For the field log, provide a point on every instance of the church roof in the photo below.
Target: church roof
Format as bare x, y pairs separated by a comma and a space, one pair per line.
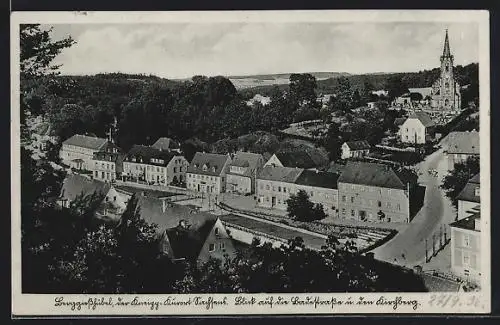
446, 49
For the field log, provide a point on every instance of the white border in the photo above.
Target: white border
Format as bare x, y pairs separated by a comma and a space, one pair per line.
35, 304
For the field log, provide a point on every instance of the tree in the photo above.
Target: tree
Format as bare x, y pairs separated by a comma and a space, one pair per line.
455, 181
333, 141
300, 208
343, 95
303, 88
395, 87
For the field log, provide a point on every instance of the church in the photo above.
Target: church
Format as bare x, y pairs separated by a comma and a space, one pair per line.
443, 96
445, 91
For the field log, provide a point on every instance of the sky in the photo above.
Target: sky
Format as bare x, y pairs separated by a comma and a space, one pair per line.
181, 50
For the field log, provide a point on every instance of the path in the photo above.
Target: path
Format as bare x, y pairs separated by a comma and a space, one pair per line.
436, 211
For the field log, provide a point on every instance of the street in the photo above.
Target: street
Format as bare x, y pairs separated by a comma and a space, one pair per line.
408, 247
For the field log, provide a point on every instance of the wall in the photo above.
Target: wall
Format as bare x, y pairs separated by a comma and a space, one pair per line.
208, 184
413, 131
177, 168
222, 242
242, 184
458, 249
246, 236
70, 152
353, 197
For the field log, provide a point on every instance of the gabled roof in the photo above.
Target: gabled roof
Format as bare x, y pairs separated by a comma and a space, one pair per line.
467, 223
147, 153
463, 143
247, 159
468, 193
165, 143
299, 159
187, 243
317, 179
423, 117
85, 141
372, 174
214, 164
75, 185
281, 174
358, 145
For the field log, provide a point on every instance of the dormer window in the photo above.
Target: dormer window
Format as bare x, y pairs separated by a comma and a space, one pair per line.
477, 192
133, 159
213, 169
205, 167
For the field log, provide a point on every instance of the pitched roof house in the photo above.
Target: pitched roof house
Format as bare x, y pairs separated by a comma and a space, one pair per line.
186, 234
462, 143
208, 164
355, 149
242, 172
166, 144
149, 155
297, 159
417, 128
371, 174
85, 141
280, 174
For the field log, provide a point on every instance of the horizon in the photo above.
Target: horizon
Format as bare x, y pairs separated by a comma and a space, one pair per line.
179, 51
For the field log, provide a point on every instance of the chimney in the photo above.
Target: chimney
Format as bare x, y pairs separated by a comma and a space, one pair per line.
477, 224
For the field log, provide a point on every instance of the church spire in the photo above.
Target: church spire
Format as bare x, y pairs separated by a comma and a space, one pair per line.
446, 49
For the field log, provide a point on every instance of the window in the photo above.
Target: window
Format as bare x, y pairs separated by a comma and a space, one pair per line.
284, 189
399, 207
222, 246
211, 247
274, 188
267, 187
114, 198
477, 192
466, 240
175, 169
352, 199
466, 259
279, 188
379, 204
352, 213
343, 198
216, 231
158, 169
343, 211
389, 205
312, 193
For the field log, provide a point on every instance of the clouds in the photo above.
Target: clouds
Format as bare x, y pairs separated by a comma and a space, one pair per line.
183, 50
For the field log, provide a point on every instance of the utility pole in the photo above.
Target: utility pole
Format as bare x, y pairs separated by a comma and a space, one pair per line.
426, 256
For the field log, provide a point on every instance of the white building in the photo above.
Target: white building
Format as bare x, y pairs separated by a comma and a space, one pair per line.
243, 171
154, 166
207, 173
78, 151
355, 149
418, 128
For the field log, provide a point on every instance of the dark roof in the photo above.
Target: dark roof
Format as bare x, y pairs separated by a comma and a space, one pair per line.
335, 168
281, 174
85, 141
317, 179
463, 143
165, 143
187, 243
75, 185
399, 121
358, 145
424, 118
372, 174
248, 159
108, 156
147, 153
467, 223
468, 193
300, 159
214, 164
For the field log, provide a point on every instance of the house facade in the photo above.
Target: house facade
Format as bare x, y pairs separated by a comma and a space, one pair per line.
154, 166
276, 184
78, 151
207, 173
243, 169
355, 149
418, 129
107, 165
373, 193
466, 248
459, 146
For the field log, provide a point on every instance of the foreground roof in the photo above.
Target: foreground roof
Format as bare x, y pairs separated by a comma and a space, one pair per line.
86, 141
463, 143
281, 174
207, 164
317, 179
75, 185
372, 174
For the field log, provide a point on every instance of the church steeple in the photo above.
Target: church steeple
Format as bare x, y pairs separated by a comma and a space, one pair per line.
446, 49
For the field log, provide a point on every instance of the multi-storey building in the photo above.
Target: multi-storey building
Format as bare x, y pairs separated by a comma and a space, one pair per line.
154, 166
276, 184
373, 192
78, 151
207, 172
466, 248
242, 172
107, 165
459, 146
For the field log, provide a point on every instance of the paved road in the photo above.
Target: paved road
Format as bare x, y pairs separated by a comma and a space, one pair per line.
435, 212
